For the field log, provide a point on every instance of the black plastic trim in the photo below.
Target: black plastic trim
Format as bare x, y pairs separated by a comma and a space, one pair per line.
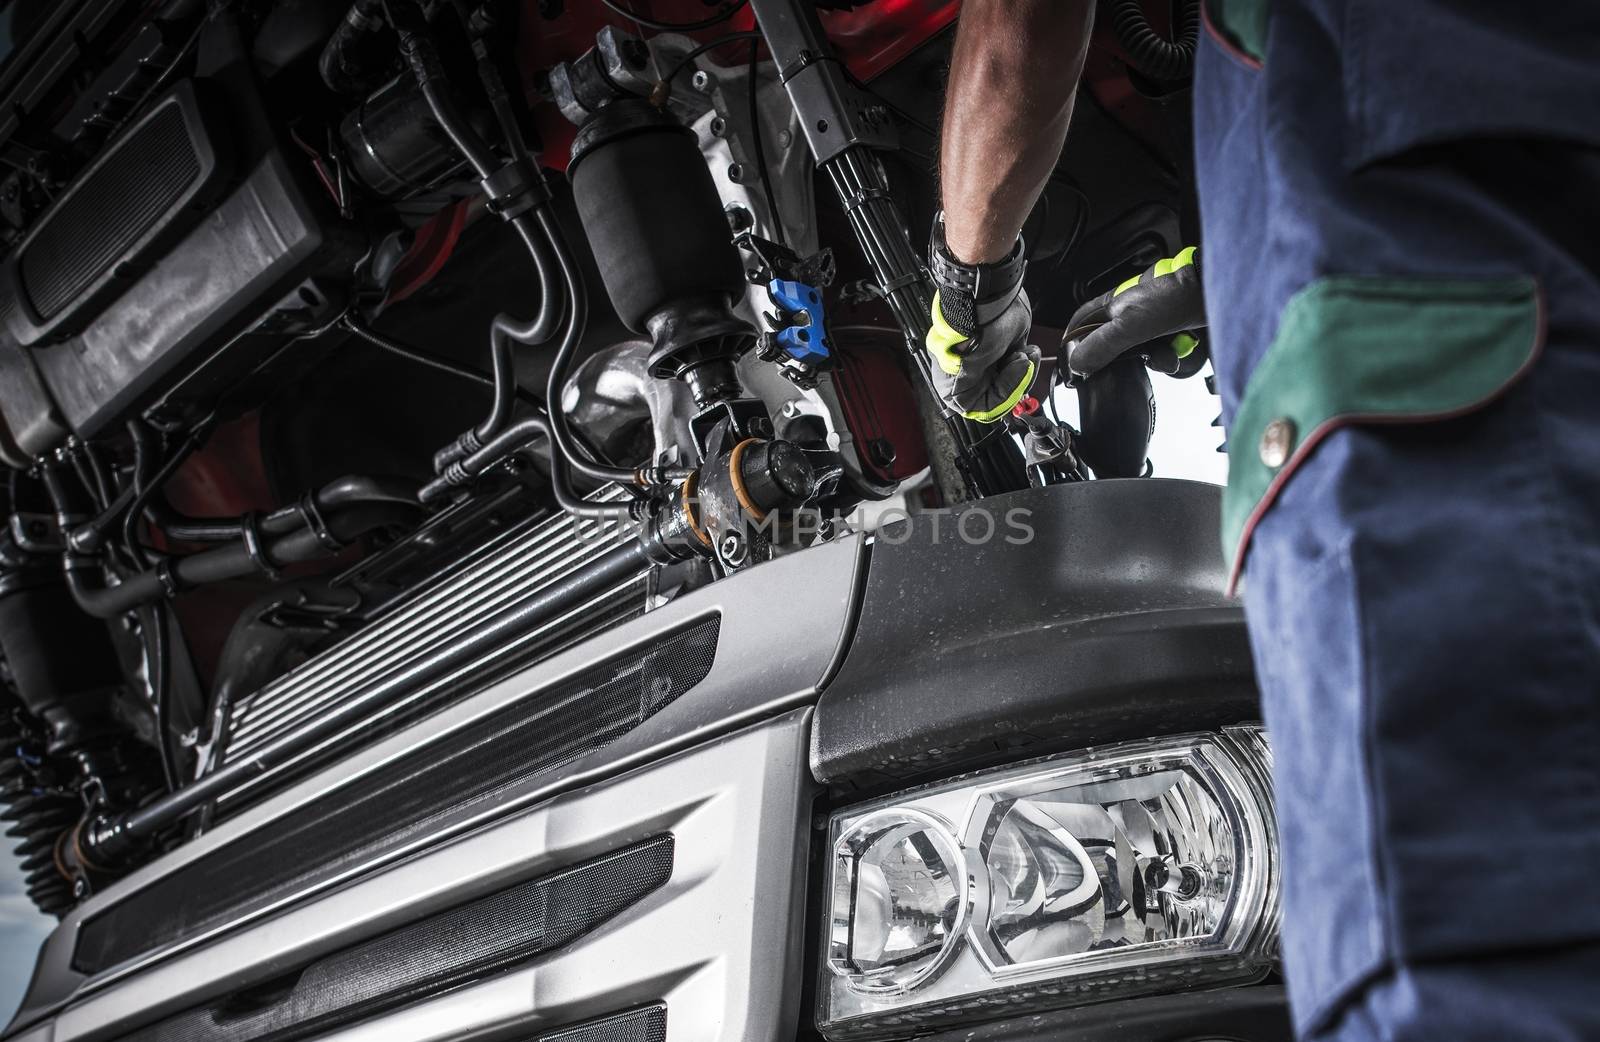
1110, 623
1255, 1014
119, 212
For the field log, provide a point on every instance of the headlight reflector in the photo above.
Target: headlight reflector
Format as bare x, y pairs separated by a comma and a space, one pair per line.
1133, 869
901, 899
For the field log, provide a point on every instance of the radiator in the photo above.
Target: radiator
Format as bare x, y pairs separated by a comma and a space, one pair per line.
509, 568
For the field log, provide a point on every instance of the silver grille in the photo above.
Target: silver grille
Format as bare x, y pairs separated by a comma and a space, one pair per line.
501, 572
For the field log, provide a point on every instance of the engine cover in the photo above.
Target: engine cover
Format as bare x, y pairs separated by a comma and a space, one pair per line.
137, 283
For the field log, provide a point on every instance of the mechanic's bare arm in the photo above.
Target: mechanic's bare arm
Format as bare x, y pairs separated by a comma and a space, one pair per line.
1012, 79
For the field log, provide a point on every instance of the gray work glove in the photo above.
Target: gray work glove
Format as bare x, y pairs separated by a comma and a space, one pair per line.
1154, 315
978, 339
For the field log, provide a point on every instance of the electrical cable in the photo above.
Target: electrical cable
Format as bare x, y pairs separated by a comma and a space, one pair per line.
676, 27
760, 154
426, 358
711, 45
158, 667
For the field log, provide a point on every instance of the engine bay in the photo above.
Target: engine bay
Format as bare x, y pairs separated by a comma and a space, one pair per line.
352, 356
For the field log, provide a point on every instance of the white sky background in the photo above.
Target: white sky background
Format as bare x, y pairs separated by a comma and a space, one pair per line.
1184, 444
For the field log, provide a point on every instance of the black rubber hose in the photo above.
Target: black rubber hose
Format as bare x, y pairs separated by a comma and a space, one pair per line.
335, 495
149, 479
233, 561
1150, 52
344, 63
110, 840
506, 331
577, 321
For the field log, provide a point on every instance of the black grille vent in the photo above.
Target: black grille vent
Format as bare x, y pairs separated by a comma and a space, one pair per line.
116, 204
640, 1025
384, 809
446, 950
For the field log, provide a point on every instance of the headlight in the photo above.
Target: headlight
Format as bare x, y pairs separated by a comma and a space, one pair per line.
1112, 872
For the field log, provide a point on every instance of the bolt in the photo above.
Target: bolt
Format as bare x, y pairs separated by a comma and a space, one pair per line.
784, 138
735, 173
739, 218
701, 80
731, 548
719, 126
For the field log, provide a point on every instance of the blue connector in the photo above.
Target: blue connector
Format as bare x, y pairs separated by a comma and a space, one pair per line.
805, 342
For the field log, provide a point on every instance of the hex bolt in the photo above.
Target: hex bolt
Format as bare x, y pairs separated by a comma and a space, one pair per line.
719, 126
701, 80
735, 173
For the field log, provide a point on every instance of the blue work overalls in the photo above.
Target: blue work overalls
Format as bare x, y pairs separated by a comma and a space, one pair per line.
1401, 237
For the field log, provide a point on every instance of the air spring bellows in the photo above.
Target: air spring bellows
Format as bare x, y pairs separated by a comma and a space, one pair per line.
655, 224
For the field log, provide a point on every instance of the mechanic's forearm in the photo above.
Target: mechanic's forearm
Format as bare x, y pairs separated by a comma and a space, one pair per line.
1012, 79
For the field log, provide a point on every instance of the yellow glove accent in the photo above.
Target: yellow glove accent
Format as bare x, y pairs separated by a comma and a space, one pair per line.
1164, 266
991, 415
1183, 345
943, 339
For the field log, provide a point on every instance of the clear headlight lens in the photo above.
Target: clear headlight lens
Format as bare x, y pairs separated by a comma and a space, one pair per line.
1137, 868
900, 898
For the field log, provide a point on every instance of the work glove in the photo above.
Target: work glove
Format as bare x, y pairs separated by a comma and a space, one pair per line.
1154, 315
978, 340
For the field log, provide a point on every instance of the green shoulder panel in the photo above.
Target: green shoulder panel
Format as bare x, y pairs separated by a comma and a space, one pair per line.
1243, 23
1354, 349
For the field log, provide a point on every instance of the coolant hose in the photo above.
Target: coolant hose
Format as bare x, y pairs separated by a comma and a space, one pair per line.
1150, 53
507, 331
335, 495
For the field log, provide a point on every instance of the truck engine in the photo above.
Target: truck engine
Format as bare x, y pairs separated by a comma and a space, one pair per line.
483, 557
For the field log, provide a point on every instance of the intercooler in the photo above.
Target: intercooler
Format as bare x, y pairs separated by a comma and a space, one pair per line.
525, 558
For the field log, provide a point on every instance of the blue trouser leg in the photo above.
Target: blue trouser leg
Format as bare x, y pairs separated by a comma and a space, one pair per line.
1533, 997
1424, 604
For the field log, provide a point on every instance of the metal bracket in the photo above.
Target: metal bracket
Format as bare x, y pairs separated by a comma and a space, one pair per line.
834, 113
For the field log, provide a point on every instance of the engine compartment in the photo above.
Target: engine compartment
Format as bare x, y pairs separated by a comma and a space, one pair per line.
502, 321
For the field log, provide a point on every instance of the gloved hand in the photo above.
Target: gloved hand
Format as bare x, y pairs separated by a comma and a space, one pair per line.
1154, 315
978, 342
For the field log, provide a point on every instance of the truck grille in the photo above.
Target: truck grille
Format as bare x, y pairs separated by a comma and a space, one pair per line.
442, 951
531, 555
382, 810
640, 1025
